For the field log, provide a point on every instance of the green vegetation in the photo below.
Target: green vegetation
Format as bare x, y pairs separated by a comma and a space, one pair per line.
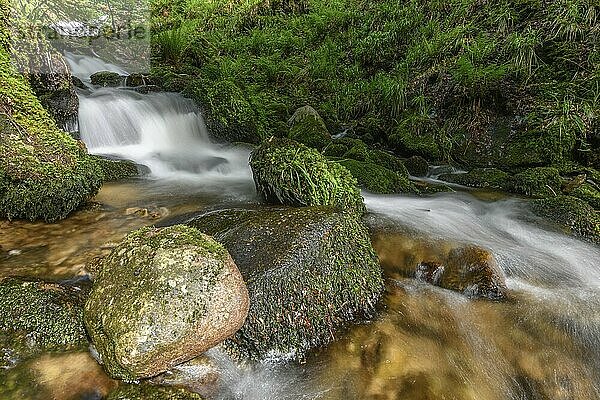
481, 178
537, 182
507, 84
378, 179
573, 215
287, 172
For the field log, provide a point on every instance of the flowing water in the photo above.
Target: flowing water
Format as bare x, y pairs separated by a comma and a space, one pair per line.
543, 342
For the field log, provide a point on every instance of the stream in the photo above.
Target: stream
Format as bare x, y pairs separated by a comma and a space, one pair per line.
543, 342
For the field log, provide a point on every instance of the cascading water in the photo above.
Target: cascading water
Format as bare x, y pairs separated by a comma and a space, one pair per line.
163, 131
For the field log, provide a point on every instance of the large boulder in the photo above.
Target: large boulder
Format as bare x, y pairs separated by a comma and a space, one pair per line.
44, 173
162, 297
573, 215
309, 272
307, 127
289, 173
39, 316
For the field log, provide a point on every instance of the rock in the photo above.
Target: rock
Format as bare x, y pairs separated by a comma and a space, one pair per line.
289, 173
574, 183
492, 178
469, 270
387, 160
307, 127
573, 215
136, 80
44, 173
115, 170
151, 212
378, 179
200, 375
44, 316
162, 297
145, 391
537, 182
589, 194
309, 272
107, 79
417, 166
408, 143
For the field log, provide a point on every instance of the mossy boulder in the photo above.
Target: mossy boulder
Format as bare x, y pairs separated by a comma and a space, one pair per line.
537, 182
387, 160
307, 127
469, 270
290, 173
408, 143
417, 166
573, 215
107, 79
145, 391
162, 297
492, 178
44, 173
115, 170
378, 179
309, 272
40, 316
589, 194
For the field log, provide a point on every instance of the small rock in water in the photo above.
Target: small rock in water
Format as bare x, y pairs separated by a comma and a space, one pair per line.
200, 375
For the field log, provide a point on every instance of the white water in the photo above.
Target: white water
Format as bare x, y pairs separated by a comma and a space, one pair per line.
163, 131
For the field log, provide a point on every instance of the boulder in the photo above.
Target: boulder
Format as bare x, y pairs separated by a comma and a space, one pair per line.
537, 182
307, 127
417, 166
309, 271
470, 270
378, 179
40, 316
107, 79
289, 173
115, 169
492, 178
573, 215
162, 297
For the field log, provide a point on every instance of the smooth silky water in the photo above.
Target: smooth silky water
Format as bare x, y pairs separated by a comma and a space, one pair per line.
543, 342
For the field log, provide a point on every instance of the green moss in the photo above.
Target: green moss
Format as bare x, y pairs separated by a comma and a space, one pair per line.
287, 172
107, 78
408, 143
481, 178
47, 315
307, 127
310, 271
46, 174
334, 149
144, 391
115, 170
589, 194
575, 216
378, 179
417, 166
537, 182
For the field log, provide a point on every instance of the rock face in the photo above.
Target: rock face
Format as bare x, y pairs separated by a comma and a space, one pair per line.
309, 271
469, 270
289, 173
44, 315
307, 127
162, 297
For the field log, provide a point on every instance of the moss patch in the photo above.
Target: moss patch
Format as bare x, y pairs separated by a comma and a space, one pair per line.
115, 170
378, 179
575, 216
589, 194
307, 127
287, 172
417, 166
481, 178
537, 182
146, 391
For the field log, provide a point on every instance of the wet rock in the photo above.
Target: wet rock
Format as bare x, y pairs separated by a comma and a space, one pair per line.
469, 270
107, 79
40, 316
145, 391
573, 215
417, 166
151, 212
135, 80
378, 179
307, 127
162, 297
200, 375
537, 182
289, 173
309, 271
492, 178
115, 170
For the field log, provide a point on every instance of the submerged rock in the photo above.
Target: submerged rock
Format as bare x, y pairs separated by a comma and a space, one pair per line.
289, 173
39, 316
162, 297
145, 391
309, 272
307, 127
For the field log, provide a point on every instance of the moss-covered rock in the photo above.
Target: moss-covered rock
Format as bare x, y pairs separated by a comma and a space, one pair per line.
417, 166
289, 173
407, 143
378, 179
574, 215
40, 316
162, 297
589, 194
115, 170
387, 160
45, 174
537, 182
107, 79
307, 127
145, 391
309, 272
481, 178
